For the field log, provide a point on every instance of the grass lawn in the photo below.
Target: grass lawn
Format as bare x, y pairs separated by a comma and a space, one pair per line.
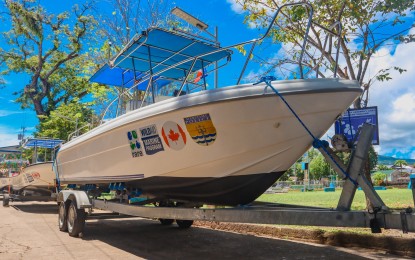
393, 198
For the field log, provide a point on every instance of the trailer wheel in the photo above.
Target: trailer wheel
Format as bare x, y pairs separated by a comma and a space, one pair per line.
75, 220
166, 221
6, 200
184, 223
62, 218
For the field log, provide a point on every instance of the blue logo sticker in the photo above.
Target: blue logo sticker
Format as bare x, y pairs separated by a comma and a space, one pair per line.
135, 145
151, 140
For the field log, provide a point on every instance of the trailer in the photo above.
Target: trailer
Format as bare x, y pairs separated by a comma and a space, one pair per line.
76, 206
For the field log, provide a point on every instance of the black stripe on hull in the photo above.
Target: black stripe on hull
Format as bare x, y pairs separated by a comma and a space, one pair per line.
232, 190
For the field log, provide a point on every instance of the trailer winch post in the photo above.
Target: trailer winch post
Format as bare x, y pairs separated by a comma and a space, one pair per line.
357, 161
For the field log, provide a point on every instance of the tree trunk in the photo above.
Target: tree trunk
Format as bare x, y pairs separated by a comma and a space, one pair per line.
366, 172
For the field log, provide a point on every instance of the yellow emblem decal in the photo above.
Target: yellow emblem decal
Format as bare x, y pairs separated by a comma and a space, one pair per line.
201, 129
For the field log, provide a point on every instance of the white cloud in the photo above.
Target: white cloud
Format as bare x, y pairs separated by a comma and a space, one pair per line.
237, 8
8, 112
8, 136
395, 100
404, 110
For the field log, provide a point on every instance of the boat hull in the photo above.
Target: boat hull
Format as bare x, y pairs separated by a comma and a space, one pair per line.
37, 179
224, 146
4, 182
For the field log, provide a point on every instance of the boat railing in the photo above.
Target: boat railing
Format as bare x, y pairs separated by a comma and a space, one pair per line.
254, 42
194, 59
76, 133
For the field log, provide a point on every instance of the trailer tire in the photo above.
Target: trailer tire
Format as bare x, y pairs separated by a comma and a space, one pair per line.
6, 200
184, 223
166, 221
75, 220
62, 217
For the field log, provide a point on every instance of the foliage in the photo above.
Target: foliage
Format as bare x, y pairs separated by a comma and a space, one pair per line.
52, 51
373, 158
319, 168
400, 163
129, 18
382, 167
65, 120
379, 178
367, 25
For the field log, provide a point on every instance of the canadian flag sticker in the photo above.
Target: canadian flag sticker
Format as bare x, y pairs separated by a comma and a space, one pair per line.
173, 135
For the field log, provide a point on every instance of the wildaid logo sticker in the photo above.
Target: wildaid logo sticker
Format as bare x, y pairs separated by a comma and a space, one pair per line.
135, 145
173, 135
201, 129
151, 140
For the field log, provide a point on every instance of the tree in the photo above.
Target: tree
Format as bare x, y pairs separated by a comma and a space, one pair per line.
363, 34
400, 164
382, 167
51, 49
129, 18
68, 120
379, 178
372, 159
319, 168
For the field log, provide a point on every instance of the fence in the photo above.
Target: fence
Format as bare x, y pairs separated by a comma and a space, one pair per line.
313, 184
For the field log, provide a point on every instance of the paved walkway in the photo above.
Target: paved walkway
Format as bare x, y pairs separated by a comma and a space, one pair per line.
29, 230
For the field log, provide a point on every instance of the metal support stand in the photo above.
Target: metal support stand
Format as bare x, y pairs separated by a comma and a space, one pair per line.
358, 159
412, 182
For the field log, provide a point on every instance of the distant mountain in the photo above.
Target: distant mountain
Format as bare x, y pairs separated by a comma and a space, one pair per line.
388, 160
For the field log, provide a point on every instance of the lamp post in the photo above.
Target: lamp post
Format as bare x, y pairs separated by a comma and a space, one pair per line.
201, 26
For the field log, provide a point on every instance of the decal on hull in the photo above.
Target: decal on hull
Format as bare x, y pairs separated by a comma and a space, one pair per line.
135, 145
201, 129
173, 135
151, 140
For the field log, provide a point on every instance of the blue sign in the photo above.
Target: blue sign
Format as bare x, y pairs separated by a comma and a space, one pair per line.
353, 119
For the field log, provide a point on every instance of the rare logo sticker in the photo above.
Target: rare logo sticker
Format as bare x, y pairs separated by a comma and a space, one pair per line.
201, 129
135, 145
151, 140
173, 135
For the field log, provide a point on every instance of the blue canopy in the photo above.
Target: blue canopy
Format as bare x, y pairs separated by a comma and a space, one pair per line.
124, 78
42, 143
115, 76
155, 50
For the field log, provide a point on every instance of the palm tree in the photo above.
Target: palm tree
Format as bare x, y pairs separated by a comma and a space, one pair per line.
400, 163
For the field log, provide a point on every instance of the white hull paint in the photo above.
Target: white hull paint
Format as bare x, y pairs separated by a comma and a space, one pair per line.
255, 133
35, 177
4, 182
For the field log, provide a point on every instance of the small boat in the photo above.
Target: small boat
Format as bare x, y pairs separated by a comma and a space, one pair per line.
175, 139
11, 163
38, 178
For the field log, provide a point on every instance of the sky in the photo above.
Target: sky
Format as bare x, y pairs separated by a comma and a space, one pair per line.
395, 99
